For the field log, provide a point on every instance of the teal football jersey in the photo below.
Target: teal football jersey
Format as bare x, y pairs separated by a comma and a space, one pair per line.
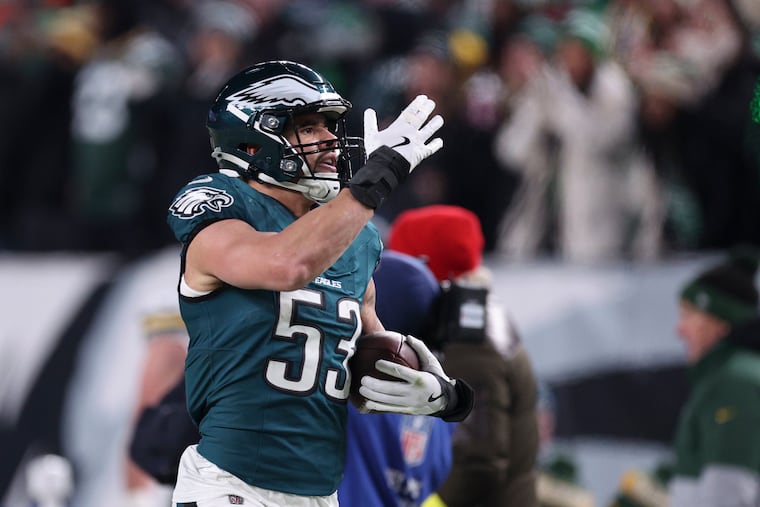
266, 372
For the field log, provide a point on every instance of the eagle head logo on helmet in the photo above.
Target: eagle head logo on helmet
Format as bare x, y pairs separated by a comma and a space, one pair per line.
255, 107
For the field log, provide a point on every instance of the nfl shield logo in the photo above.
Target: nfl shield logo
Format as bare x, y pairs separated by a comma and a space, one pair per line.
415, 431
235, 500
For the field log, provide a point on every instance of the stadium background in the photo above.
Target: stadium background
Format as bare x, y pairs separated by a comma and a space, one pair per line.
72, 344
79, 270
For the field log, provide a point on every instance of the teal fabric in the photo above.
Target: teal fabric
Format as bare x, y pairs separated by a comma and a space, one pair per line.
265, 373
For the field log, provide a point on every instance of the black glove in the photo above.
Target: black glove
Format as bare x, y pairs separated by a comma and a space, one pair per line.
385, 170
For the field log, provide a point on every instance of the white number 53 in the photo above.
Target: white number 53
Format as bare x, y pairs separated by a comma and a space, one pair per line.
286, 375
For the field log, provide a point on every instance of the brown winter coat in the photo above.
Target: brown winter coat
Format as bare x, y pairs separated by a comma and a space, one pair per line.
495, 448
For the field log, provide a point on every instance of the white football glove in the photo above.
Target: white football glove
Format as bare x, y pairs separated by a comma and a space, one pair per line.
406, 135
417, 393
428, 361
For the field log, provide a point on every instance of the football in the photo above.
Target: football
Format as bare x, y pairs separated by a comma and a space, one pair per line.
388, 345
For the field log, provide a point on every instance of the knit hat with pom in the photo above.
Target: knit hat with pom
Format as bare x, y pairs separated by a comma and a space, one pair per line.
449, 238
727, 290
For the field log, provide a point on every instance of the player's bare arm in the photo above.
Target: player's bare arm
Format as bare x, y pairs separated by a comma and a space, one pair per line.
223, 252
233, 252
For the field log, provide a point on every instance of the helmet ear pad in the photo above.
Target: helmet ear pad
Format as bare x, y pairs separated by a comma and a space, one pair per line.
258, 164
293, 164
231, 148
276, 156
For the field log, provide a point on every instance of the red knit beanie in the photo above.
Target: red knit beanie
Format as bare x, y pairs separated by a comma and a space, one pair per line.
450, 238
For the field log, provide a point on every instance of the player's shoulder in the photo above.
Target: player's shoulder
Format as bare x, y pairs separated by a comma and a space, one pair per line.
208, 192
205, 199
217, 181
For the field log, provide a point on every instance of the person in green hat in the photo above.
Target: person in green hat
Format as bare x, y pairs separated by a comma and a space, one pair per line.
717, 449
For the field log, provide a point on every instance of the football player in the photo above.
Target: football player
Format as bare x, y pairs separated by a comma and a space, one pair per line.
276, 285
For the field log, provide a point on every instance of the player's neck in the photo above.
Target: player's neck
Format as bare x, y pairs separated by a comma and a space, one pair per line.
291, 199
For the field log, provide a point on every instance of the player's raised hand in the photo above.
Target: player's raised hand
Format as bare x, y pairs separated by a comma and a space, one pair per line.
408, 135
395, 151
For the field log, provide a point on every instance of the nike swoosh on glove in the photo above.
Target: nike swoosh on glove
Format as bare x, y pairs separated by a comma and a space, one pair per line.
406, 135
428, 391
415, 392
394, 152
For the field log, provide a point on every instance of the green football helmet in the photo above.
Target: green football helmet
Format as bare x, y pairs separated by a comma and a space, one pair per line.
254, 108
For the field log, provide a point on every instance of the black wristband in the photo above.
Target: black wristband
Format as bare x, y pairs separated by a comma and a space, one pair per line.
374, 181
460, 399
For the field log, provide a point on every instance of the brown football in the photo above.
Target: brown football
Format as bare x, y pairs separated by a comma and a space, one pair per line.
388, 345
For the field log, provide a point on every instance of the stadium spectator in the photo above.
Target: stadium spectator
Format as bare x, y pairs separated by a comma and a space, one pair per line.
716, 444
42, 53
572, 138
522, 58
496, 447
695, 68
218, 45
120, 118
162, 369
398, 460
161, 433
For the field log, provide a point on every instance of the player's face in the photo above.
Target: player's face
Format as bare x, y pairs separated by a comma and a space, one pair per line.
698, 330
312, 129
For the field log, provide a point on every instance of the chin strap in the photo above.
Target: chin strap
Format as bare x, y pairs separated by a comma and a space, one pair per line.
319, 190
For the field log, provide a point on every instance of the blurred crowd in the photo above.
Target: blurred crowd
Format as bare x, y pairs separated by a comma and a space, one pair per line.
585, 130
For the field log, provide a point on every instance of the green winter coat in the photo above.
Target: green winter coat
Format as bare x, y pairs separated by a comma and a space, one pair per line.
717, 440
